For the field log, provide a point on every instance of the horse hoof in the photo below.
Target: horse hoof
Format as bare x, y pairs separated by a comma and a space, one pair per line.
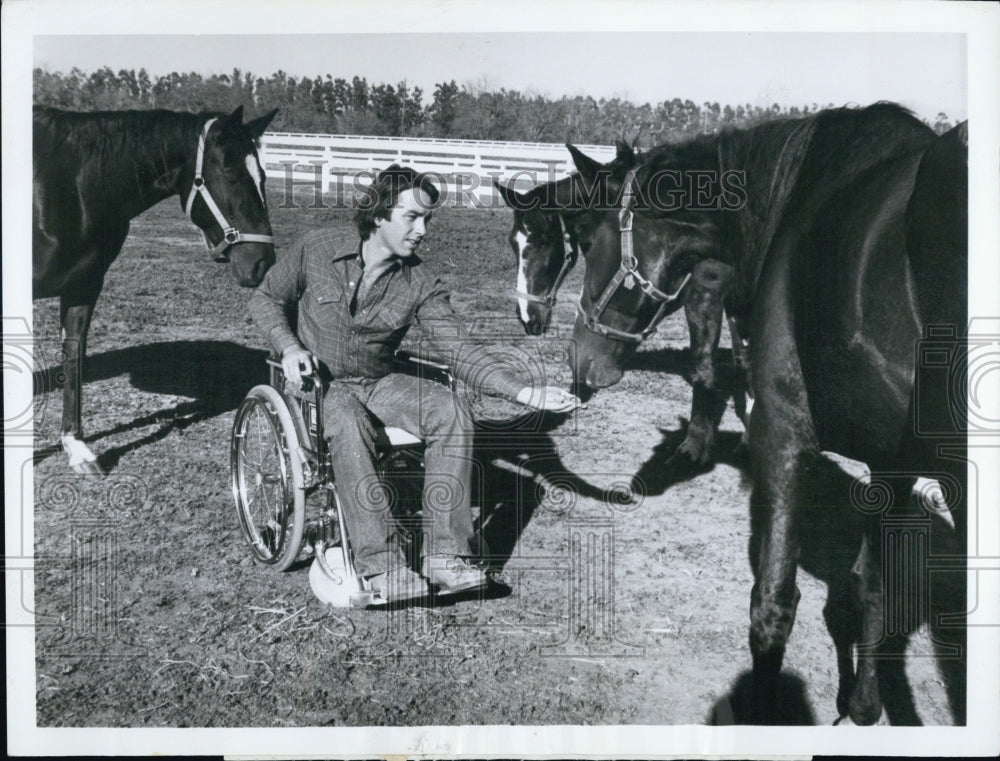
81, 459
88, 468
864, 714
684, 461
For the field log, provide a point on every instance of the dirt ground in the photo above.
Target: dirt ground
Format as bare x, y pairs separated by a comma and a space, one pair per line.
150, 612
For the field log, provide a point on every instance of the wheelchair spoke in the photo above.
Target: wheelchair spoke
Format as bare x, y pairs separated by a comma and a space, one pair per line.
267, 482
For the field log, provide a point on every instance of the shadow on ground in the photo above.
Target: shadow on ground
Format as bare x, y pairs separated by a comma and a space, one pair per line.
213, 375
663, 470
521, 472
739, 707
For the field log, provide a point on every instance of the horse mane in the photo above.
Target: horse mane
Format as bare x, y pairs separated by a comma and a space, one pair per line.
884, 128
125, 142
611, 176
778, 157
113, 135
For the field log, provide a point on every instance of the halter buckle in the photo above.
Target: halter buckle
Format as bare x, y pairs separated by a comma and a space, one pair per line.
230, 235
625, 221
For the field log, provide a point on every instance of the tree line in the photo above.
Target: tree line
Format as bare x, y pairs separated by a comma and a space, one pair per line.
336, 105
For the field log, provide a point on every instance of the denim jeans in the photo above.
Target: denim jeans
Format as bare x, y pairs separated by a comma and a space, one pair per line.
351, 410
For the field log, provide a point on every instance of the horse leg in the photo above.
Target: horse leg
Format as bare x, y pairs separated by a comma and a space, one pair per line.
950, 642
875, 647
947, 611
865, 706
710, 281
784, 453
782, 460
742, 398
893, 684
842, 621
775, 596
75, 317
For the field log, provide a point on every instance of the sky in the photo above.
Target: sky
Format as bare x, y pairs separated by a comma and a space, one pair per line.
923, 71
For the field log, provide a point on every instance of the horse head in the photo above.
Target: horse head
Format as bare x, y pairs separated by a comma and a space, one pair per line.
227, 199
641, 236
543, 240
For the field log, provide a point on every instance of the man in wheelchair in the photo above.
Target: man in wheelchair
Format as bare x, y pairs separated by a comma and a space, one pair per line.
356, 299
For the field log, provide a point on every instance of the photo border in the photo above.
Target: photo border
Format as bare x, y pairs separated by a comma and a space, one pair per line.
980, 22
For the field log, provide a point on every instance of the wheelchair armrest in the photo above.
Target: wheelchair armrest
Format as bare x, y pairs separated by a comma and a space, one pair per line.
403, 361
412, 363
404, 356
310, 380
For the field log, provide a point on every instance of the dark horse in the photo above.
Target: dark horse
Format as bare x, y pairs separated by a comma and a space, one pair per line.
93, 172
545, 243
847, 233
543, 240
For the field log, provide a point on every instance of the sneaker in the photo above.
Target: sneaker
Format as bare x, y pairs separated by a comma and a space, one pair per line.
452, 574
398, 585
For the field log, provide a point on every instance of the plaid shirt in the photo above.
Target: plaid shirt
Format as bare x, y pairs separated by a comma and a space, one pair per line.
322, 273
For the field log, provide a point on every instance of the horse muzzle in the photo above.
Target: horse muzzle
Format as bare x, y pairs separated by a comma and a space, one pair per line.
250, 262
537, 322
590, 371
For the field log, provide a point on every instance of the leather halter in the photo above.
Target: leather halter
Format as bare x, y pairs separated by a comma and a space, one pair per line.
230, 235
628, 276
569, 256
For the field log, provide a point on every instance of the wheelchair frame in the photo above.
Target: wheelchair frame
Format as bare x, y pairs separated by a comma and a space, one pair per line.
279, 461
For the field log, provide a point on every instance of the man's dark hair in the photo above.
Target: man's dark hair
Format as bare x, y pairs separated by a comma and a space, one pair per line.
382, 195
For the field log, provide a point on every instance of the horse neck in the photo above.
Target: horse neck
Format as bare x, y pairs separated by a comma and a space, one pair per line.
154, 158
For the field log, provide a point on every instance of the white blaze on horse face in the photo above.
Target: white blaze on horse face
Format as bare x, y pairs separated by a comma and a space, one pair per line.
522, 274
256, 174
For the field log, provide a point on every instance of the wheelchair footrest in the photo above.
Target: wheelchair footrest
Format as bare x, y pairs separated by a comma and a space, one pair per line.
368, 600
333, 579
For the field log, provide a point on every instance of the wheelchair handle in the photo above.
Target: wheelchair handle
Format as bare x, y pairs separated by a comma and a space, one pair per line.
310, 380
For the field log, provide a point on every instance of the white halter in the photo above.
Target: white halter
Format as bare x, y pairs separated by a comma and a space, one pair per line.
230, 235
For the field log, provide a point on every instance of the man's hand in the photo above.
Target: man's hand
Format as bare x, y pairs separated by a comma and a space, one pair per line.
296, 362
548, 398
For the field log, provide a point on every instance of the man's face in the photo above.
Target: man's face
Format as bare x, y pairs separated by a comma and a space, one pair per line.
407, 224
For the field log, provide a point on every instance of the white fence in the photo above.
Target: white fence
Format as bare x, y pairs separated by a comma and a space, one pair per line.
464, 168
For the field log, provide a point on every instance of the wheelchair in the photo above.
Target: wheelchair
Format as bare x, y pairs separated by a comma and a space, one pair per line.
284, 486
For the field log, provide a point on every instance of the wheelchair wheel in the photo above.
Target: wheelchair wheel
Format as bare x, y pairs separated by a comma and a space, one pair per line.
267, 480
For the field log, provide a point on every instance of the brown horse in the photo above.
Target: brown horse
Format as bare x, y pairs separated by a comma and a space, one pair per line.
93, 172
847, 234
544, 240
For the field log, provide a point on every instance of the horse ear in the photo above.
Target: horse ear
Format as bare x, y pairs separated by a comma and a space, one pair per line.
236, 117
258, 126
511, 197
586, 166
624, 153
